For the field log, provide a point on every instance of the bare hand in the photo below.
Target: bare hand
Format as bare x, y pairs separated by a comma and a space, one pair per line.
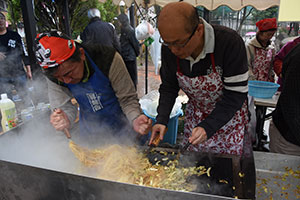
59, 120
198, 136
28, 72
2, 56
142, 124
29, 75
157, 130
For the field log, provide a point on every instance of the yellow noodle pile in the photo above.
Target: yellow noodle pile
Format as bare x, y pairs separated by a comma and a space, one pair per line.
128, 165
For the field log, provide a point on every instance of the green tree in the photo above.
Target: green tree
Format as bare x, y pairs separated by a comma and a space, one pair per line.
269, 13
108, 11
14, 12
80, 20
49, 14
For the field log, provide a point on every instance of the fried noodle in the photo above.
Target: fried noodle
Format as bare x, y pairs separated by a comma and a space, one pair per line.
128, 165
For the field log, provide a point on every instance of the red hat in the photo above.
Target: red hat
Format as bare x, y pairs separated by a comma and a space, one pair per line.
53, 49
266, 24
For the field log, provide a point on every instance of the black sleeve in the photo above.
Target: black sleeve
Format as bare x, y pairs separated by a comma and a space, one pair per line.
84, 34
235, 80
116, 42
134, 42
169, 87
289, 99
25, 57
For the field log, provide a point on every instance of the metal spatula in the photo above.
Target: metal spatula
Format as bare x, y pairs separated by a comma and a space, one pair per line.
185, 147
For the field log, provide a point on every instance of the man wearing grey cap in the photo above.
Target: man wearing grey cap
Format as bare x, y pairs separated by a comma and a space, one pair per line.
98, 31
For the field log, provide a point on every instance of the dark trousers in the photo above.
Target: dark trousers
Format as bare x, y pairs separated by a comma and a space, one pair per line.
16, 83
132, 69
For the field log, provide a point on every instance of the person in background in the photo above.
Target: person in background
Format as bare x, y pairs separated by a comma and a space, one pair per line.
130, 47
260, 54
97, 78
13, 56
98, 31
285, 124
280, 56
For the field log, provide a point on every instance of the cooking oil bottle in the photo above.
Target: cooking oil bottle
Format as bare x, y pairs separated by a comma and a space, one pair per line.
8, 112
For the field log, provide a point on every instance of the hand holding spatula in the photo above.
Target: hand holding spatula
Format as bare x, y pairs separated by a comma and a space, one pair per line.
158, 132
60, 121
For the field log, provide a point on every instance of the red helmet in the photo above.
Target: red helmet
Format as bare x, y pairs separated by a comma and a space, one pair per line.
53, 48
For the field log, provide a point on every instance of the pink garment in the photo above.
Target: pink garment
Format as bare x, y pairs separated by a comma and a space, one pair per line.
286, 48
283, 52
280, 56
204, 92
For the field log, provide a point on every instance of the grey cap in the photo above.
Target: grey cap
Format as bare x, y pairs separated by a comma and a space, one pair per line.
94, 12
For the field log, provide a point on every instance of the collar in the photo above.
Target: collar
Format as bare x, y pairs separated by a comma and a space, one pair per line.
94, 19
254, 42
209, 44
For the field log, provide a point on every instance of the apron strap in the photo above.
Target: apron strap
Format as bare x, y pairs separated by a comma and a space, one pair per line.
212, 59
178, 68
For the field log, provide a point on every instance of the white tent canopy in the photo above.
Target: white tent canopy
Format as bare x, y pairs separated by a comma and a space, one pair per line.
210, 4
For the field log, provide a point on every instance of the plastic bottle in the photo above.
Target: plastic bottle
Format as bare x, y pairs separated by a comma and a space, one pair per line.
8, 112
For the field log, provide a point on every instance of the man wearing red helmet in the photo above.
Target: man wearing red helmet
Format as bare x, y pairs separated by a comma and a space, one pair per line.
97, 77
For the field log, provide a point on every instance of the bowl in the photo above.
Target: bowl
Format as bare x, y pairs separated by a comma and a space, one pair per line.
262, 89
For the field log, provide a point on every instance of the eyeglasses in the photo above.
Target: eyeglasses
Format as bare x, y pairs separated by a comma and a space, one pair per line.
168, 44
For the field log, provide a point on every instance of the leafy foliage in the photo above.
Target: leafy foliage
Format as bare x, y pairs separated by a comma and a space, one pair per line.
269, 13
50, 14
79, 18
108, 11
14, 14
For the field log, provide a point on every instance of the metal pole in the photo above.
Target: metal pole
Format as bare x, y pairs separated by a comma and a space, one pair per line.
146, 70
67, 18
30, 30
146, 52
131, 14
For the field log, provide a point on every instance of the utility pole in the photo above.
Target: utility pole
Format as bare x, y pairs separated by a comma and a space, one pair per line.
30, 30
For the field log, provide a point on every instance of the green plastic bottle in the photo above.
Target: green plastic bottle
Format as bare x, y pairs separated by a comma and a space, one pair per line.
8, 112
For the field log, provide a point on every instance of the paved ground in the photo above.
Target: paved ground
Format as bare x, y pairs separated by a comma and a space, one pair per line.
153, 79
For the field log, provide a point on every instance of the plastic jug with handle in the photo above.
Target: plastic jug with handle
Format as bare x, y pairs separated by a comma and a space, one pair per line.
8, 113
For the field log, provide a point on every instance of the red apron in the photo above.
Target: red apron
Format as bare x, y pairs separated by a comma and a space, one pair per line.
262, 65
204, 92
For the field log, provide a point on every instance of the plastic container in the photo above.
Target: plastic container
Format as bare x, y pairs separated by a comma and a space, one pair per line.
26, 114
8, 113
171, 135
262, 89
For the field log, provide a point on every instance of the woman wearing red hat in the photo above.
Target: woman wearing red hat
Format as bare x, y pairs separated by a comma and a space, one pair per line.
260, 54
97, 77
